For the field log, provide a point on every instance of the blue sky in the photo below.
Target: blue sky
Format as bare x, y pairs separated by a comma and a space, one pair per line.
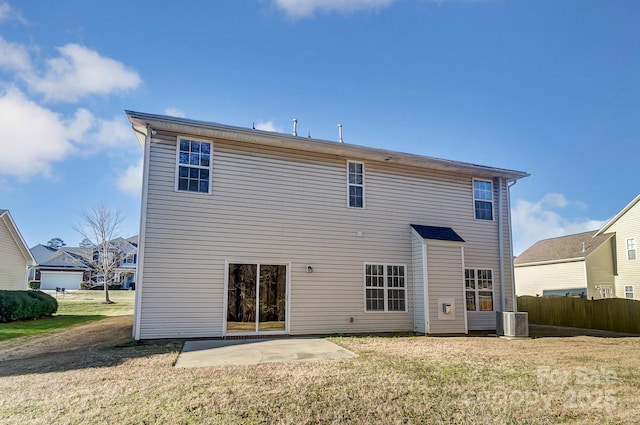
550, 87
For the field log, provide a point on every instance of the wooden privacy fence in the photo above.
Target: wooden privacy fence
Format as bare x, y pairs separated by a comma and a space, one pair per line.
612, 314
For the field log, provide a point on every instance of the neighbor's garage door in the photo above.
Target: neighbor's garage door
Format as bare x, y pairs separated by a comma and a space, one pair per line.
66, 280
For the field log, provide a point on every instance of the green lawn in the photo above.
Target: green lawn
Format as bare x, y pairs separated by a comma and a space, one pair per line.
74, 308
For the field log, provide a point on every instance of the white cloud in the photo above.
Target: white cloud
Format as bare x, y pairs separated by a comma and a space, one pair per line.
31, 137
110, 133
130, 182
267, 126
305, 8
14, 57
174, 112
5, 11
80, 71
534, 221
8, 13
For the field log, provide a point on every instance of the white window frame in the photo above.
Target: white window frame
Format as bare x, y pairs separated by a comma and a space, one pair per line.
477, 290
632, 249
629, 292
349, 185
177, 168
606, 291
386, 288
491, 201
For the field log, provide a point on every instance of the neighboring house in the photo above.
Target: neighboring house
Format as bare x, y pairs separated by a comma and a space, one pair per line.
598, 264
248, 232
68, 267
62, 269
15, 257
127, 250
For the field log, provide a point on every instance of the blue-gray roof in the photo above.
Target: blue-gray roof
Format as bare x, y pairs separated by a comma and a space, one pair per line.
437, 233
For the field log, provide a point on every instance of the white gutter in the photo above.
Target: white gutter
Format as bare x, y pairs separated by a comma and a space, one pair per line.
511, 265
541, 263
220, 131
143, 227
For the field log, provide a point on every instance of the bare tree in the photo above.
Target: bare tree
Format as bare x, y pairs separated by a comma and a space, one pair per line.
98, 225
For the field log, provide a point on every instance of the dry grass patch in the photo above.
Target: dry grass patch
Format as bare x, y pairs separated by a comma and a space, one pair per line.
404, 380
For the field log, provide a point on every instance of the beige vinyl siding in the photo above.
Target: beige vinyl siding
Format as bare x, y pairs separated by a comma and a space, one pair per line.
13, 265
532, 280
600, 269
286, 206
627, 226
445, 280
419, 307
483, 320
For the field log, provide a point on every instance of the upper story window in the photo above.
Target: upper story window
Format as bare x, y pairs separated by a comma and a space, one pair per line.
483, 199
628, 291
130, 259
355, 184
193, 166
631, 249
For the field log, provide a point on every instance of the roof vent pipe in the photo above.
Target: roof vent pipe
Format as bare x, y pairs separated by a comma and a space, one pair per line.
340, 133
584, 247
295, 127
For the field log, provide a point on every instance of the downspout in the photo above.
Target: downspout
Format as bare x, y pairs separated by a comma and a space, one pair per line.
501, 244
513, 278
142, 235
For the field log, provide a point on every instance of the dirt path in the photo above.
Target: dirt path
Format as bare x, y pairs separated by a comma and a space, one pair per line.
107, 332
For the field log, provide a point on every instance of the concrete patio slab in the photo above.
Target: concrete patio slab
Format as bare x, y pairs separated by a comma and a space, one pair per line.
253, 351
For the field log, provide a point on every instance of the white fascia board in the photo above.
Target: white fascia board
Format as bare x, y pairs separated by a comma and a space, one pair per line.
211, 130
617, 216
541, 263
17, 237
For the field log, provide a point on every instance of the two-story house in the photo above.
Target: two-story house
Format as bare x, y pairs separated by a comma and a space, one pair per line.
247, 232
15, 257
68, 267
598, 264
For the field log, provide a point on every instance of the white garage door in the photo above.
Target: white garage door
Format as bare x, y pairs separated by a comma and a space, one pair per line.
66, 280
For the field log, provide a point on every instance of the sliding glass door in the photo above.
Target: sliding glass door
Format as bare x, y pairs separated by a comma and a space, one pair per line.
256, 298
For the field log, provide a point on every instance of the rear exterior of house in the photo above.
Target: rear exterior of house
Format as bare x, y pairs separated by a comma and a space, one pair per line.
15, 257
245, 232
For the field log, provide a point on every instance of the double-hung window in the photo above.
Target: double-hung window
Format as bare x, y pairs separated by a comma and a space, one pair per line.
631, 249
483, 199
385, 287
628, 291
355, 184
478, 285
194, 166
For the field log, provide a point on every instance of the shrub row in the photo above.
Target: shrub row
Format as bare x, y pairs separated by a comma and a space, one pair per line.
18, 305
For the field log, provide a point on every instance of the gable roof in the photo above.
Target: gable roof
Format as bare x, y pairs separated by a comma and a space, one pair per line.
63, 259
437, 233
5, 217
564, 248
42, 252
141, 121
616, 217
